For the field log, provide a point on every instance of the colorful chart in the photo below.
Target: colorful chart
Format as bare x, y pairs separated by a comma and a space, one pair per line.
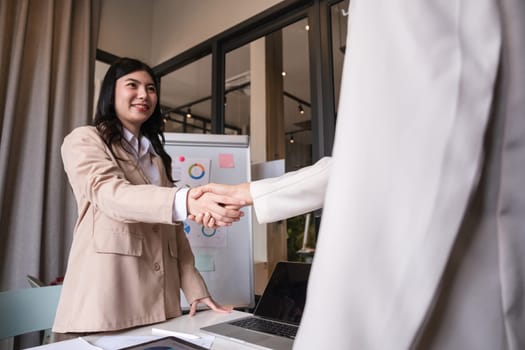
208, 232
204, 237
196, 171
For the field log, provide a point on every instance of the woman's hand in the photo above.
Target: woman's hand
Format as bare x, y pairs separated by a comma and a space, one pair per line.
238, 195
240, 192
223, 209
208, 301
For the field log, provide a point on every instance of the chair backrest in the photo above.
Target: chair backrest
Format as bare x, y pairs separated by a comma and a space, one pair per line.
27, 310
35, 282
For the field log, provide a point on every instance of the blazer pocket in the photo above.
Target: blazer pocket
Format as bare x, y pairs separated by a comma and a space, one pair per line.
114, 242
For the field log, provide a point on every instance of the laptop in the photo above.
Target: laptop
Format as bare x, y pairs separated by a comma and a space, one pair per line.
278, 313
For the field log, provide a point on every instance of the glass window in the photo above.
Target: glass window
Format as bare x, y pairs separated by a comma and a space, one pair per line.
237, 91
297, 127
296, 91
339, 15
186, 98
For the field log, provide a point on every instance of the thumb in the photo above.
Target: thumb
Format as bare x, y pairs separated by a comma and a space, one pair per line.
196, 192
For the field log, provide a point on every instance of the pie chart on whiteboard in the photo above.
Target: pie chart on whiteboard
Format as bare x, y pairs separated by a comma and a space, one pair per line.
196, 171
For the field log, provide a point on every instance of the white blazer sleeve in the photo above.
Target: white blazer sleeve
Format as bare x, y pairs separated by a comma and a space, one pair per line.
292, 194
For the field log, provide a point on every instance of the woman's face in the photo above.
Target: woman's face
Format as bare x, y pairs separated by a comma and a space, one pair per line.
135, 100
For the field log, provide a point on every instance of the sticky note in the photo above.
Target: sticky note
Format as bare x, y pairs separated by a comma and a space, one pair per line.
204, 263
226, 160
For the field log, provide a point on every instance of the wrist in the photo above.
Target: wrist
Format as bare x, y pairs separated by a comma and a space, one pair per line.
189, 202
246, 195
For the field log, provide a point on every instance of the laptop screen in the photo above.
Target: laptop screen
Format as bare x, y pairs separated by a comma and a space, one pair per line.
285, 295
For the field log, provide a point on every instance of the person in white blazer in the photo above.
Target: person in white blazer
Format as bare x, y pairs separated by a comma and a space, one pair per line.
422, 239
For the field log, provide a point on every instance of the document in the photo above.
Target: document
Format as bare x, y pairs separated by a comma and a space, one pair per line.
77, 344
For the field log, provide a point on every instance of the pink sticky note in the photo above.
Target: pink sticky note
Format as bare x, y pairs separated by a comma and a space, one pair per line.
226, 160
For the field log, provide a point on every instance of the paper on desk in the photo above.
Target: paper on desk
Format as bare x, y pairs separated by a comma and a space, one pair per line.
203, 340
114, 342
77, 344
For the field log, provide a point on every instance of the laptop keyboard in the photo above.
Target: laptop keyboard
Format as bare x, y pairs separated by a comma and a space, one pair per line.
275, 328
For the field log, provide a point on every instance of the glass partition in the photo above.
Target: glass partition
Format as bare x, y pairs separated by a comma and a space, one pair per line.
186, 98
339, 20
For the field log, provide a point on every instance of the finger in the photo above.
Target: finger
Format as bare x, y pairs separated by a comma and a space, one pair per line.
231, 206
216, 307
227, 199
193, 308
199, 218
195, 192
204, 189
206, 219
224, 214
222, 224
222, 309
225, 309
234, 207
228, 215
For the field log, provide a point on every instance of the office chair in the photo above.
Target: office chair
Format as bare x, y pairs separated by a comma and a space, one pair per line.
34, 282
27, 310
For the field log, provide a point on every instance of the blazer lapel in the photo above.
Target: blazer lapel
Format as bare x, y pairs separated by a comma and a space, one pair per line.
130, 167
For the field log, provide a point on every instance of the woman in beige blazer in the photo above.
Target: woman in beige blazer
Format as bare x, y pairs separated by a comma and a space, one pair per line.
129, 257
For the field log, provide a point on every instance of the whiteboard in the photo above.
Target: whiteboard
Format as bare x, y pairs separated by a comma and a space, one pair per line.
224, 257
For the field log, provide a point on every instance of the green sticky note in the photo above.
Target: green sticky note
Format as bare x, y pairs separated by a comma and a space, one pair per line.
204, 263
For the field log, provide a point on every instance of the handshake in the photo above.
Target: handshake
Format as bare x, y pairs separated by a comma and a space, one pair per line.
216, 205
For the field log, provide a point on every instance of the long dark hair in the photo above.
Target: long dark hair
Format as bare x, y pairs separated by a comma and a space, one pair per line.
107, 122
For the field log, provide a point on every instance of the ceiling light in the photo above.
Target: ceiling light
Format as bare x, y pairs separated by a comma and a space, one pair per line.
301, 109
283, 73
307, 27
188, 114
292, 139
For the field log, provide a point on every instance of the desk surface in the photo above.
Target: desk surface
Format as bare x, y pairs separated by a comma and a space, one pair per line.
185, 324
191, 325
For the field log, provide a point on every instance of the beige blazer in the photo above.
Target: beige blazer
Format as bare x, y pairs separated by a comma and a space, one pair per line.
128, 261
294, 193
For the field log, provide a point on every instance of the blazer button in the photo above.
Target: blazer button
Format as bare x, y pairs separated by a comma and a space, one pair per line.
156, 228
156, 266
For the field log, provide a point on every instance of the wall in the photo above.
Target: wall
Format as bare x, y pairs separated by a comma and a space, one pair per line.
181, 24
156, 30
126, 28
